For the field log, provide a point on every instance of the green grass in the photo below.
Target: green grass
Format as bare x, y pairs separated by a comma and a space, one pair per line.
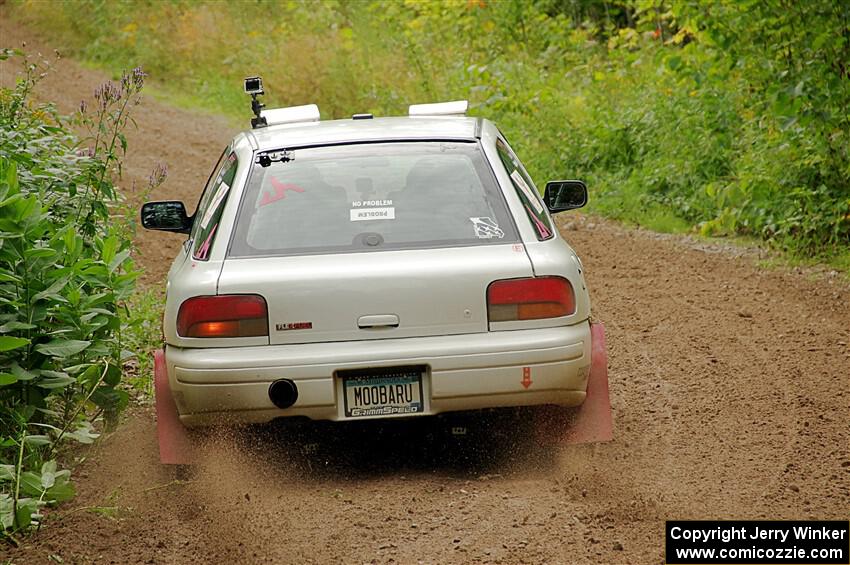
841, 262
821, 266
141, 336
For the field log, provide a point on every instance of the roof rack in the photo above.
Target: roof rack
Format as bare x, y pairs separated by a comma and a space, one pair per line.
291, 114
454, 108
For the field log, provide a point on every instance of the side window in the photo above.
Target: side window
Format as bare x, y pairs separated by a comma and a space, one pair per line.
525, 190
211, 206
206, 192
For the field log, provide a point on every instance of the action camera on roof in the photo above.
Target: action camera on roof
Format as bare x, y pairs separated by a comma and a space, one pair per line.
253, 85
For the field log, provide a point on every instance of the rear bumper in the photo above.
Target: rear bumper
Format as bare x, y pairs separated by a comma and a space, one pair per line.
463, 372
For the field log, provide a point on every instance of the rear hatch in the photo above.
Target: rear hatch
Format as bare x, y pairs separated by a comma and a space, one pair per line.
375, 295
373, 241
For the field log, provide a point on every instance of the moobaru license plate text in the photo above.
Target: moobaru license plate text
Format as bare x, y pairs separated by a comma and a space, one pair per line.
383, 395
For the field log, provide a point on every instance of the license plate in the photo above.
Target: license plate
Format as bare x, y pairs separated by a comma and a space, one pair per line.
383, 392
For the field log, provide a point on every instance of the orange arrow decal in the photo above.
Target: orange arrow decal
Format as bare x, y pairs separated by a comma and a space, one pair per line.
526, 377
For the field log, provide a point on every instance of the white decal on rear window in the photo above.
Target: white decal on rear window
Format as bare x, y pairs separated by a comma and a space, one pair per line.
486, 228
362, 203
213, 205
358, 214
532, 198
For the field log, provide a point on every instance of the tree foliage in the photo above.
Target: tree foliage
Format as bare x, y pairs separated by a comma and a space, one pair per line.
730, 116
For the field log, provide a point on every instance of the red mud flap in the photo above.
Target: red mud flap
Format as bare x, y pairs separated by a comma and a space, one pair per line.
590, 422
175, 448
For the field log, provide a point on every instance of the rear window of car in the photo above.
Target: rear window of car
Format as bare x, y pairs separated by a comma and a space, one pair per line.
372, 197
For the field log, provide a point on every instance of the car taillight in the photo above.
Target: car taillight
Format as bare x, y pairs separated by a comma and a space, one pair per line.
530, 299
234, 315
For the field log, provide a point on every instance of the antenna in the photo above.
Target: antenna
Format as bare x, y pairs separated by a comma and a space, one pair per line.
254, 87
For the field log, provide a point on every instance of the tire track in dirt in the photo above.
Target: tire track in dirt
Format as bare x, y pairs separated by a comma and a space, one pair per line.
730, 387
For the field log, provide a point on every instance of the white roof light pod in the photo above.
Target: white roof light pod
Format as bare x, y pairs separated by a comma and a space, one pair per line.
455, 108
291, 115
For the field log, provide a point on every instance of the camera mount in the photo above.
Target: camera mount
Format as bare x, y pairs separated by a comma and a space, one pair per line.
254, 87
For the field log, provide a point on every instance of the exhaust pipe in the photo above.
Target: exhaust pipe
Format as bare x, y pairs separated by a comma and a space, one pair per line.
283, 393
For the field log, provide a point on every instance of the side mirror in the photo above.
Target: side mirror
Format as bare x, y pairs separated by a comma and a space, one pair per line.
563, 195
168, 215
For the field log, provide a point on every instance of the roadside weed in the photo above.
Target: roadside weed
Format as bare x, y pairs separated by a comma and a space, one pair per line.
66, 276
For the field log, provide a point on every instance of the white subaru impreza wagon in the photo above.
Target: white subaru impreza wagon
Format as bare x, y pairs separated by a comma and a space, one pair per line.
371, 268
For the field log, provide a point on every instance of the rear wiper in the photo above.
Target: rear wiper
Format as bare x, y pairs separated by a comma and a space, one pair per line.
268, 157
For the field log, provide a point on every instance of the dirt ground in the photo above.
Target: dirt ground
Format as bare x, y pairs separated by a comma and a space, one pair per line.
730, 387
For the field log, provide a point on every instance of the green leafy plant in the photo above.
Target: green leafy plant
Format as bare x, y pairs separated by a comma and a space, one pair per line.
65, 277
